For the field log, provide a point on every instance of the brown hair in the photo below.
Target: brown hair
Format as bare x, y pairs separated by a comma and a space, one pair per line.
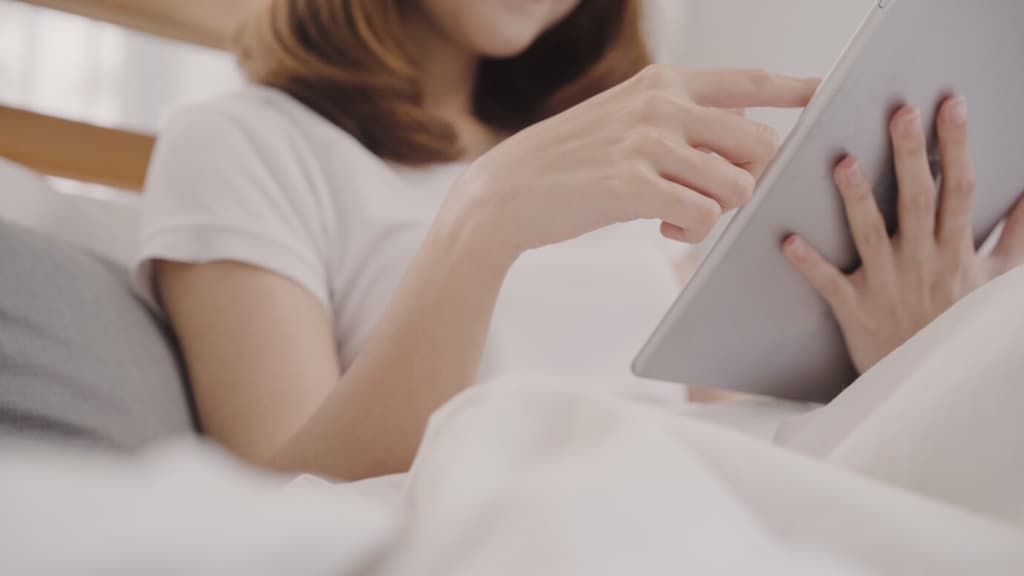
346, 60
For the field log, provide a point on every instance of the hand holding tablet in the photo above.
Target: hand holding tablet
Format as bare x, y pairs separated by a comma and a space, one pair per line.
748, 321
931, 263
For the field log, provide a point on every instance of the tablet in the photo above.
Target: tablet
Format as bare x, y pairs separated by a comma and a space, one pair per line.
748, 321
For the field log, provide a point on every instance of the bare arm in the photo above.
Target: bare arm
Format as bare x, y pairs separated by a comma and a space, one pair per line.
262, 359
260, 350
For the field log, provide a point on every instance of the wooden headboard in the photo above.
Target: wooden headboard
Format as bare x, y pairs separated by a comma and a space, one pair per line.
105, 155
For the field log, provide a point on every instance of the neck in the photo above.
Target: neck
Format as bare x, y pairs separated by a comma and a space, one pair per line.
448, 77
448, 70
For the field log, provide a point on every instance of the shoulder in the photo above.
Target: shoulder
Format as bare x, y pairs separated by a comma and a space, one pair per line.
252, 145
248, 106
256, 118
232, 179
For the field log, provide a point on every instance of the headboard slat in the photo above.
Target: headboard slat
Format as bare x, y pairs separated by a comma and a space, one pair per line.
75, 150
206, 22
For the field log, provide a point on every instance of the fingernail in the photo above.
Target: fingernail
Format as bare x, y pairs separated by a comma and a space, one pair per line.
795, 247
852, 174
958, 111
910, 123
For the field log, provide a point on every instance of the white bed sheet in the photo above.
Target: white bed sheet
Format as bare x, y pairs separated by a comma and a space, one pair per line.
915, 470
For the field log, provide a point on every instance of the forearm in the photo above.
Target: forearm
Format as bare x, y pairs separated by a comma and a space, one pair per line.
615, 158
425, 350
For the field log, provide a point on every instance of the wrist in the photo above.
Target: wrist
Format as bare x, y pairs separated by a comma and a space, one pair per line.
471, 224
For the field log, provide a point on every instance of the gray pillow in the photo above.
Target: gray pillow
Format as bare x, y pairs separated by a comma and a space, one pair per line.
81, 358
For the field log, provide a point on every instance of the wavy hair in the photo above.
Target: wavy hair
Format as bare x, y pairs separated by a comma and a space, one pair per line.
346, 60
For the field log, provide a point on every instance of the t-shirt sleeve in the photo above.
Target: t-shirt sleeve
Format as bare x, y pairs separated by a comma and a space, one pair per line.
223, 189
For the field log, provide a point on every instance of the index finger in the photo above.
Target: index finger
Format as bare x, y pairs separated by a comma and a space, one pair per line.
749, 89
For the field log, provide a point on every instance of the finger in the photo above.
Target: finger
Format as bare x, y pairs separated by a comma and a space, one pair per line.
745, 143
727, 184
691, 215
867, 226
673, 232
916, 183
1010, 248
827, 280
748, 89
957, 198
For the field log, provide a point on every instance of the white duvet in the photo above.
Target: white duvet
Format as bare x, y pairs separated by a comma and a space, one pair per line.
916, 469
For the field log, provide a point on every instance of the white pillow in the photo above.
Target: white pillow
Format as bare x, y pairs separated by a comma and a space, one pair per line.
105, 222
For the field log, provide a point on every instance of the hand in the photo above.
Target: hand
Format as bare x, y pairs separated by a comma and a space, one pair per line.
640, 150
907, 281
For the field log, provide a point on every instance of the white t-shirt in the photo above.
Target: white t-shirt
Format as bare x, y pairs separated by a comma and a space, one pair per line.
256, 177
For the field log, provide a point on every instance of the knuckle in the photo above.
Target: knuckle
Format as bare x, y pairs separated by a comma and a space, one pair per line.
833, 286
955, 230
704, 162
950, 266
907, 143
743, 187
637, 112
767, 139
628, 148
656, 77
957, 252
911, 146
919, 201
952, 132
641, 143
874, 237
626, 179
659, 200
706, 215
760, 79
859, 196
964, 183
636, 173
747, 183
656, 108
952, 118
632, 145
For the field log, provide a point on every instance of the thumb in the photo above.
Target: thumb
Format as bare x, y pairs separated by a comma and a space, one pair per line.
1011, 245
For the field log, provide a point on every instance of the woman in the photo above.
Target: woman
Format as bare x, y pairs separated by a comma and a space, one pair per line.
330, 242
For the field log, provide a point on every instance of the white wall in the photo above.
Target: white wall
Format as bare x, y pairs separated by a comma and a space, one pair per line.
665, 20
79, 68
797, 37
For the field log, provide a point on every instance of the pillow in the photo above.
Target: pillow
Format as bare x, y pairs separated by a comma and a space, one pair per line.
81, 358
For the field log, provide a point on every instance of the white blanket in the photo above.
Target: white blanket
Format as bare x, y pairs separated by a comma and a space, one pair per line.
921, 475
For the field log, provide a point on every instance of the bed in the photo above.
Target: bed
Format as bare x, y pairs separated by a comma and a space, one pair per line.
81, 359
106, 155
523, 476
